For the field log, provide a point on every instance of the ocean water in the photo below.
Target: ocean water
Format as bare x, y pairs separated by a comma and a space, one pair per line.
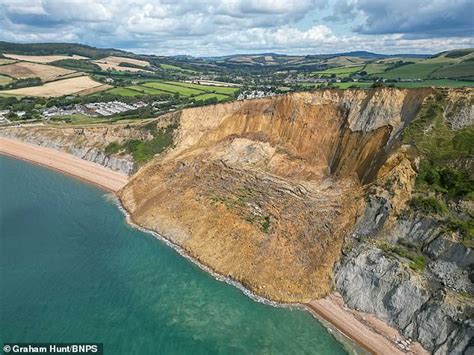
72, 270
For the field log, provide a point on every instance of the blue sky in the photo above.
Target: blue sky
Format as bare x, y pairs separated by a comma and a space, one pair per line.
220, 27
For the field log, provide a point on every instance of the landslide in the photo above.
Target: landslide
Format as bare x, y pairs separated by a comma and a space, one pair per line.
265, 191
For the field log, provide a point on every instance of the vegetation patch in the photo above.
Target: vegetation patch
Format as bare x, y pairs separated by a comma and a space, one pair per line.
144, 150
417, 261
443, 179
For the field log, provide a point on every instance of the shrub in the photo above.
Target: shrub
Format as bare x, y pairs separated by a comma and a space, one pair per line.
112, 148
428, 205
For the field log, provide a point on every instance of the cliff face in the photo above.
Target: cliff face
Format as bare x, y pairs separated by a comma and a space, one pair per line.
364, 192
269, 192
93, 142
86, 143
265, 191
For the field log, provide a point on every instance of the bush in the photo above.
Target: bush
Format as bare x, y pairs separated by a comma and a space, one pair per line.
428, 205
112, 148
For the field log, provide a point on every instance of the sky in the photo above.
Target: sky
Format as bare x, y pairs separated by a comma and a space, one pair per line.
223, 27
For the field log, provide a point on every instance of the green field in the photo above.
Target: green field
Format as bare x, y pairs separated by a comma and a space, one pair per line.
146, 90
176, 68
5, 79
373, 68
420, 70
217, 89
123, 92
340, 71
464, 69
358, 84
77, 119
439, 83
173, 88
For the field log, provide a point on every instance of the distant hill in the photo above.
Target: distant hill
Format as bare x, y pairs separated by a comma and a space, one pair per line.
371, 55
60, 48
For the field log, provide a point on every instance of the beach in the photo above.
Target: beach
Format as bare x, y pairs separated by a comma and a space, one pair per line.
64, 163
365, 330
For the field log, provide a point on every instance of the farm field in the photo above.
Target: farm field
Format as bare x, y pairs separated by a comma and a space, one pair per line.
459, 70
93, 90
420, 70
113, 63
57, 88
216, 89
4, 61
42, 58
374, 68
438, 83
5, 80
171, 88
341, 72
117, 60
146, 90
174, 67
24, 70
124, 92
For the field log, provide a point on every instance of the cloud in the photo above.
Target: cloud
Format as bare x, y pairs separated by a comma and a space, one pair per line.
413, 18
217, 27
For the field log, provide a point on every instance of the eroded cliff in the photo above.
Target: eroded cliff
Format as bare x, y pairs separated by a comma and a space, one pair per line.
364, 192
270, 191
265, 191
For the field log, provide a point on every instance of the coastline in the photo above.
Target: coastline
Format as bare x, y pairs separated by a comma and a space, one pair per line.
356, 333
64, 163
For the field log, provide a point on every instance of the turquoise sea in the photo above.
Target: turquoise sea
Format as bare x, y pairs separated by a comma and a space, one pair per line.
72, 270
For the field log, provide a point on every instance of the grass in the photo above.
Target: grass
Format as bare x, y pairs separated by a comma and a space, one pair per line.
175, 68
216, 89
357, 84
5, 80
420, 70
144, 150
146, 90
340, 71
458, 70
172, 88
123, 92
417, 262
442, 178
77, 119
373, 68
428, 205
449, 83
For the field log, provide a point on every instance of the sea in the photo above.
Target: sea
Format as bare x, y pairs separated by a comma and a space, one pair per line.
73, 271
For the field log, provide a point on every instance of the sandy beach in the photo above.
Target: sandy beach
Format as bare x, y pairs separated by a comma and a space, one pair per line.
65, 163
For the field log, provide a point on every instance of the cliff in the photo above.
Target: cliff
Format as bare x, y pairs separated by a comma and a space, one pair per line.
298, 195
110, 145
364, 192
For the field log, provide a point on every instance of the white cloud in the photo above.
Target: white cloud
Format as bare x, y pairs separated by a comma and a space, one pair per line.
212, 27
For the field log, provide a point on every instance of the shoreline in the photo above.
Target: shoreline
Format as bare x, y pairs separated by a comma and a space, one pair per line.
358, 332
65, 163
349, 327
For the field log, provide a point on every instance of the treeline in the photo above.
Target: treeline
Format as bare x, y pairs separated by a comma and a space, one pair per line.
76, 64
59, 49
23, 83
